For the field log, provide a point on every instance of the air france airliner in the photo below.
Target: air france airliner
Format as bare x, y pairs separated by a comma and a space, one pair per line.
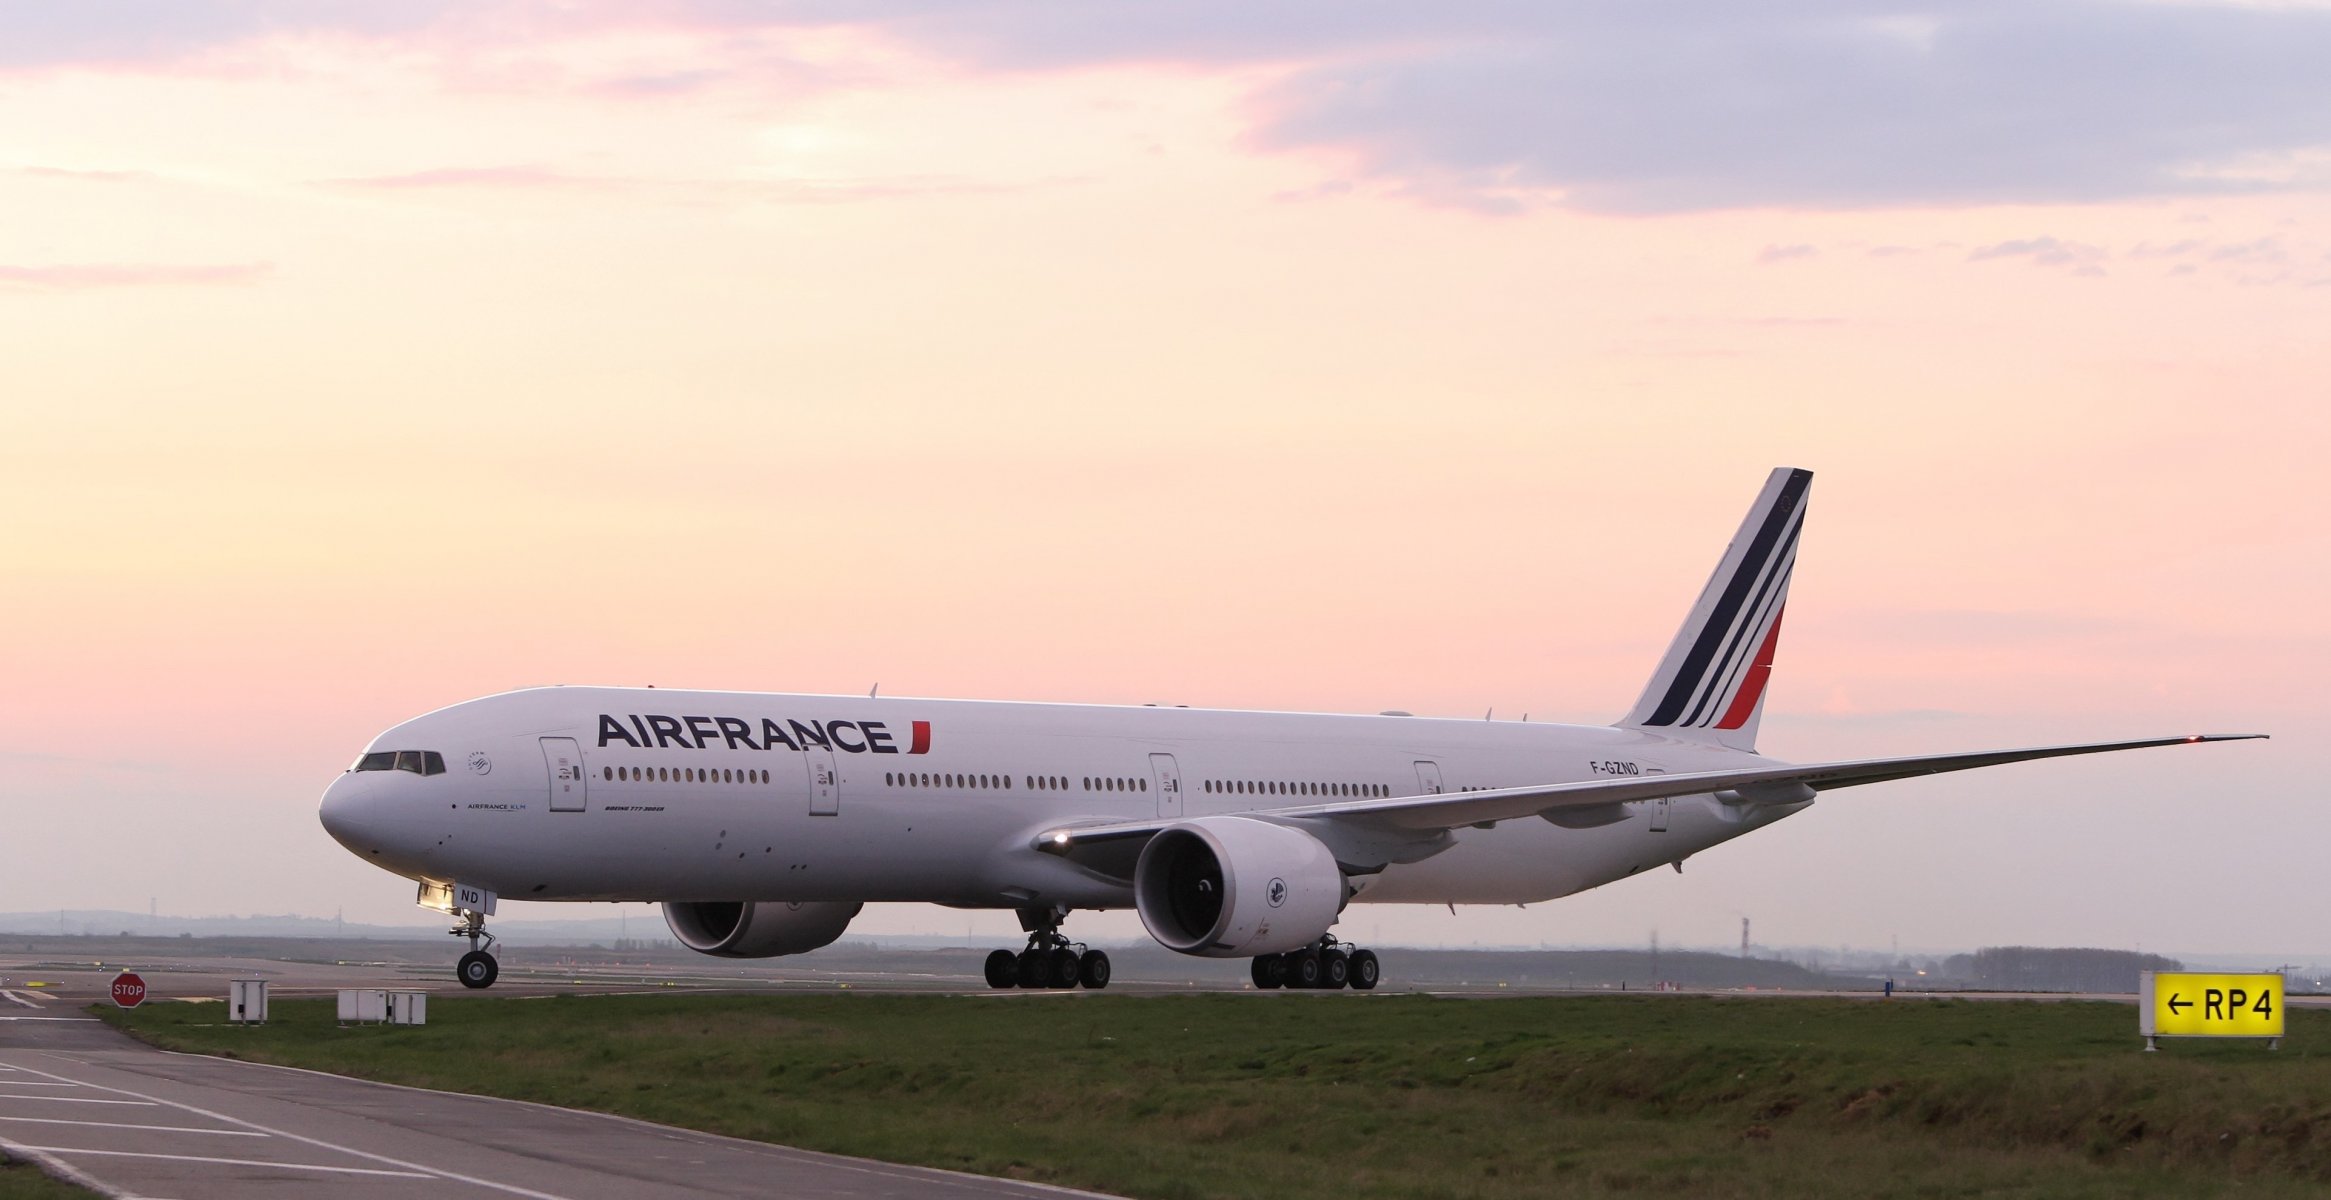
762, 822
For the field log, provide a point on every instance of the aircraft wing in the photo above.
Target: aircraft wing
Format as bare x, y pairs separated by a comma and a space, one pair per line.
1385, 826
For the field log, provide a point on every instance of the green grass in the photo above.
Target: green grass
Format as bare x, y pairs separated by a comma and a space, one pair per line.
1340, 1095
24, 1181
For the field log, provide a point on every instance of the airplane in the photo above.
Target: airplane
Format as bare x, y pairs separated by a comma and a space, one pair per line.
764, 822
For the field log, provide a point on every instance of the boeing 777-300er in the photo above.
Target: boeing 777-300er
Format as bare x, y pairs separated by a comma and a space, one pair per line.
763, 822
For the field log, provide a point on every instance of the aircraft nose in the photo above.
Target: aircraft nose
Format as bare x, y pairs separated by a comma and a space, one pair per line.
350, 813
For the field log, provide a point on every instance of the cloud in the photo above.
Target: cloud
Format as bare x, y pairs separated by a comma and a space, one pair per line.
112, 275
519, 178
1781, 254
1617, 106
2045, 252
36, 34
476, 177
1667, 107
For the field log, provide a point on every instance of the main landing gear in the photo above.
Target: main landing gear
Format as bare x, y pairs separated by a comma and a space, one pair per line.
1050, 961
1330, 964
477, 969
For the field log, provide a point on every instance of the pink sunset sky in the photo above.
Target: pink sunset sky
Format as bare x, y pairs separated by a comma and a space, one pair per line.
358, 359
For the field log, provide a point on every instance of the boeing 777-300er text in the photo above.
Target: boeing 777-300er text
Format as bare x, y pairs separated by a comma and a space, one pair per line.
763, 821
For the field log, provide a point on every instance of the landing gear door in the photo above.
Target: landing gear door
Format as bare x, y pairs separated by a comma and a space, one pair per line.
569, 790
1428, 778
1169, 785
825, 787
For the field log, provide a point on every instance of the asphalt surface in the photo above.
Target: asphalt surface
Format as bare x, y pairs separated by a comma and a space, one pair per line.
132, 1121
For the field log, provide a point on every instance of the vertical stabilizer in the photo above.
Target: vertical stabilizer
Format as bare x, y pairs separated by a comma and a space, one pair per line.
1711, 684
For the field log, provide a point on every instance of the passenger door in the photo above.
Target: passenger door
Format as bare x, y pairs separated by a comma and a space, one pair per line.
570, 791
1169, 785
1428, 778
825, 787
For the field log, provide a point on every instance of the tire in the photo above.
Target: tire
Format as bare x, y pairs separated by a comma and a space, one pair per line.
1335, 969
1365, 970
1269, 971
1035, 968
1093, 970
477, 969
1064, 968
1003, 969
1303, 970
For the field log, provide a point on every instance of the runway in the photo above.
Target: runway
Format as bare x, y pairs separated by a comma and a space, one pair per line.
131, 1121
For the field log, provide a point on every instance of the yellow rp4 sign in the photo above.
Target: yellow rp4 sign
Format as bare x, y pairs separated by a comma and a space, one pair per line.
2185, 1004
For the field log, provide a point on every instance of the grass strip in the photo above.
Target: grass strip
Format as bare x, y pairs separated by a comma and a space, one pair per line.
21, 1180
1295, 1096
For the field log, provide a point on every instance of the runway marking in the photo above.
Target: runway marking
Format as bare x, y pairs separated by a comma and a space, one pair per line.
236, 1162
128, 1125
20, 998
82, 1100
426, 1172
31, 1083
771, 1150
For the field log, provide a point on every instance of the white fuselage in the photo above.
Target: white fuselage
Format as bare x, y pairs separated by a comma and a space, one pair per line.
585, 793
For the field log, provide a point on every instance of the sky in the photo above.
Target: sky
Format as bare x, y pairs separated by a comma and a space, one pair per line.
359, 359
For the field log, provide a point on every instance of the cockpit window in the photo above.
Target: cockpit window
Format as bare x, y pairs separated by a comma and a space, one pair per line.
419, 762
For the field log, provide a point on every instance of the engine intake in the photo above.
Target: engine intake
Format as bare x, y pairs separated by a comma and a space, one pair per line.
758, 929
1230, 887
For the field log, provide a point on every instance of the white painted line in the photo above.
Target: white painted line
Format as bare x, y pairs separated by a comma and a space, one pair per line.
30, 1083
234, 1162
129, 1125
88, 1020
426, 1172
80, 1100
20, 998
771, 1150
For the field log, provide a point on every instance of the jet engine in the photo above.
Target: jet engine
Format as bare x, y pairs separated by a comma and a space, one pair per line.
1231, 887
761, 929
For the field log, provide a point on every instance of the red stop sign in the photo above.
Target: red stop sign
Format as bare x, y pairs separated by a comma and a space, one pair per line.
129, 991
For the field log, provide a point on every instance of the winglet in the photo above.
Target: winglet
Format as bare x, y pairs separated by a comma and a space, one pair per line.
1711, 683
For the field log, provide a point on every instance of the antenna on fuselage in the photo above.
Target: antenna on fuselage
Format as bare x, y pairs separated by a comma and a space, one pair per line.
876, 688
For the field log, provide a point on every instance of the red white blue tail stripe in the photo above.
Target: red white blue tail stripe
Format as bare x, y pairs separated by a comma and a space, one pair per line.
1713, 676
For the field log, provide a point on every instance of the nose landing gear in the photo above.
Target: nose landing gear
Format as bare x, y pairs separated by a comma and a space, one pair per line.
1326, 966
1050, 961
478, 968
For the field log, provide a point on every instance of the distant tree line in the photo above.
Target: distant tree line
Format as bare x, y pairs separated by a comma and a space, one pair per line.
2041, 969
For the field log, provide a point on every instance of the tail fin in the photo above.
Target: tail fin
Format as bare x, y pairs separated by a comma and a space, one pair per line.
1710, 686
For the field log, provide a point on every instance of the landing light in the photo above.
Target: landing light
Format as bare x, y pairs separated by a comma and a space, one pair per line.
1060, 839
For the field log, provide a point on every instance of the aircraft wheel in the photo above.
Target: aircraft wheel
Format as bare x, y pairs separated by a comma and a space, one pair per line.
477, 969
1093, 970
1364, 970
1003, 969
1035, 968
1303, 970
1335, 969
1269, 971
1064, 968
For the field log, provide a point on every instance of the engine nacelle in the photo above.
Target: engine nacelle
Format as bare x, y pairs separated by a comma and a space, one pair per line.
1230, 887
762, 929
